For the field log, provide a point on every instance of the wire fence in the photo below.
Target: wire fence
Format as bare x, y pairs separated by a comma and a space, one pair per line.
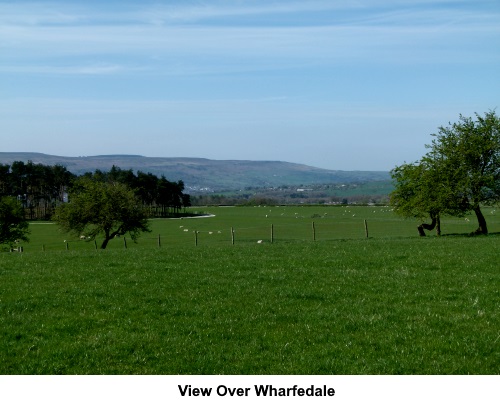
257, 226
204, 235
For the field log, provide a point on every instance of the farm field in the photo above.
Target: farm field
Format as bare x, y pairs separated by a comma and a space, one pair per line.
253, 224
392, 303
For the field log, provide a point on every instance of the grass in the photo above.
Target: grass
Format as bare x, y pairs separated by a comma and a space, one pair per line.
250, 224
383, 305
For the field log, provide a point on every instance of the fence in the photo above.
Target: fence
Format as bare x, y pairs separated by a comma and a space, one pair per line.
196, 234
260, 225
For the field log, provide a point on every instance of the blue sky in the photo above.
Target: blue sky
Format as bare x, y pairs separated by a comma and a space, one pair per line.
348, 85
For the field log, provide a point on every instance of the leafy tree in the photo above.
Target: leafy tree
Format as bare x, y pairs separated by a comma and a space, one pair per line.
13, 225
154, 193
415, 196
61, 178
146, 187
41, 188
423, 190
102, 209
469, 156
35, 184
460, 173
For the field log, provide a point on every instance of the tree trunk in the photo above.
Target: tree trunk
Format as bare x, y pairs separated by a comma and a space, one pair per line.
105, 243
107, 238
482, 229
438, 226
420, 229
436, 223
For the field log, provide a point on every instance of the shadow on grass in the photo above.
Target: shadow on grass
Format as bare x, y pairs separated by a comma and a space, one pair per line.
466, 235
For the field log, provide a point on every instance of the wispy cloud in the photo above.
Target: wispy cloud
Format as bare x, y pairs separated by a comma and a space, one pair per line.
194, 38
293, 74
213, 11
91, 70
242, 47
182, 12
190, 35
32, 13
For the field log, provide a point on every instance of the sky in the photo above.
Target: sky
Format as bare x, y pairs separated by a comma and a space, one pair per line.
336, 84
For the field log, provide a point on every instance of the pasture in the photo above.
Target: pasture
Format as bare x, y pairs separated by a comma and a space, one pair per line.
251, 224
392, 303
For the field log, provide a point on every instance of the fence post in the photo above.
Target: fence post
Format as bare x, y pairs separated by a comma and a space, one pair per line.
314, 232
67, 246
272, 233
366, 228
196, 238
232, 236
124, 242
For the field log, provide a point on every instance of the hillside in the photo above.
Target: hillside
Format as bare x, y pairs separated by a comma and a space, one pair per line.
204, 174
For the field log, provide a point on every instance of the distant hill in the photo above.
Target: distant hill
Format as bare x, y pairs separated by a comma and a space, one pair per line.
204, 174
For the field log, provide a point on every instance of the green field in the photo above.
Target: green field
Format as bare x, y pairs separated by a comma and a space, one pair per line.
251, 224
392, 303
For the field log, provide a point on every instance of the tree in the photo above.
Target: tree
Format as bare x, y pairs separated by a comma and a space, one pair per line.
152, 191
460, 173
13, 225
415, 195
4, 179
102, 209
469, 156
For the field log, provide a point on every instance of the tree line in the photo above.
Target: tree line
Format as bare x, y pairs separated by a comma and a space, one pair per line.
158, 195
460, 174
41, 188
35, 185
94, 205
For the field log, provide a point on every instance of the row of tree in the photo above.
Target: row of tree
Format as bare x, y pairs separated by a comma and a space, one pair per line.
460, 174
99, 204
152, 191
35, 184
41, 188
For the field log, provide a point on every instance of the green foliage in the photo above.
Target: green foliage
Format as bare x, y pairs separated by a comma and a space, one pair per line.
459, 174
34, 183
41, 188
37, 187
149, 189
415, 195
470, 152
102, 208
13, 225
